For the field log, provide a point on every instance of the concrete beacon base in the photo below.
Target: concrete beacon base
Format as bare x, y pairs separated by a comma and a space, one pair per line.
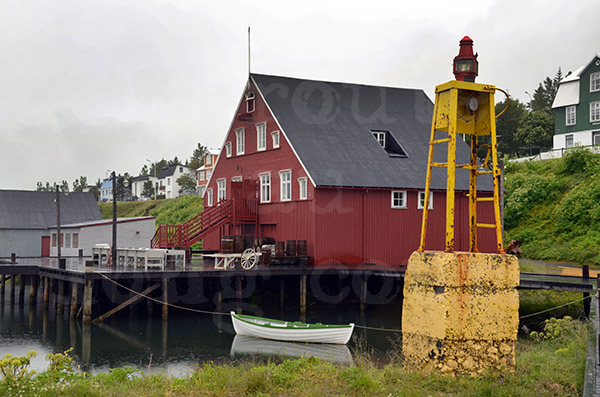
461, 312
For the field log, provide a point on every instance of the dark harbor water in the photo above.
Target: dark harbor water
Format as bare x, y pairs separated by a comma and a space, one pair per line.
177, 345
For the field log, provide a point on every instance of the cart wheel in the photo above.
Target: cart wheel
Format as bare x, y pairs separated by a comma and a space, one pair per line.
248, 259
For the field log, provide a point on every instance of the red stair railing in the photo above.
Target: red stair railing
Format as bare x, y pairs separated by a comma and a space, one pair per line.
194, 229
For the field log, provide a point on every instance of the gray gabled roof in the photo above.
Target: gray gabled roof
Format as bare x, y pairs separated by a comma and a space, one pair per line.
20, 209
330, 126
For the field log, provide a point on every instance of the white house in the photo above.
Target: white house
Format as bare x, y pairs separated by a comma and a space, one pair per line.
131, 232
137, 185
167, 180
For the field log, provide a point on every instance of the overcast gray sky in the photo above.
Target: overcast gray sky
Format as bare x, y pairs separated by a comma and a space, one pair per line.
96, 85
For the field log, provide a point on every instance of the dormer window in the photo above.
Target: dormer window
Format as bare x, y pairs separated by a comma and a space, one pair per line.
250, 104
388, 143
380, 136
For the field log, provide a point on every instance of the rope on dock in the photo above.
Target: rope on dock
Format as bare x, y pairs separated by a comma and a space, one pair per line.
161, 302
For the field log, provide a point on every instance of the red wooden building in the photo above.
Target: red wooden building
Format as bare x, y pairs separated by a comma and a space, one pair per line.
341, 166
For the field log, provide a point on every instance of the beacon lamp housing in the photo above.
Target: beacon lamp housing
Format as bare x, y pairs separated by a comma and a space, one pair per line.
465, 66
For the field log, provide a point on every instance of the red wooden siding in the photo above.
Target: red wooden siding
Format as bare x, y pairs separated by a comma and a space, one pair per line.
359, 226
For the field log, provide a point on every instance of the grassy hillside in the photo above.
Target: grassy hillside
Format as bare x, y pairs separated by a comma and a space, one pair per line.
167, 211
553, 207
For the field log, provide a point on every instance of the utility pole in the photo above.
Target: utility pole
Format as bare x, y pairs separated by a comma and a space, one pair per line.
58, 239
114, 219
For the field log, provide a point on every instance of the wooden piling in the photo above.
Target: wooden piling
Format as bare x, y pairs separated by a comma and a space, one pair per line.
150, 307
2, 285
60, 298
303, 294
46, 292
219, 309
22, 282
238, 294
33, 282
87, 302
165, 306
363, 295
74, 292
586, 296
281, 292
86, 339
12, 289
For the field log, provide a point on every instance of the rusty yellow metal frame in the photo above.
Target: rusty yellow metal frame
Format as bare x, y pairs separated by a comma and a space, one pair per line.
453, 115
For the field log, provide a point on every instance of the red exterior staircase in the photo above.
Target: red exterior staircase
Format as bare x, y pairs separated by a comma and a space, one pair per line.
234, 211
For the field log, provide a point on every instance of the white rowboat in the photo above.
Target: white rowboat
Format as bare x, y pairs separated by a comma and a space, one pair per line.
267, 328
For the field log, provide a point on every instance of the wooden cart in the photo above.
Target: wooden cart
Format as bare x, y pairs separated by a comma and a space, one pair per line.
227, 261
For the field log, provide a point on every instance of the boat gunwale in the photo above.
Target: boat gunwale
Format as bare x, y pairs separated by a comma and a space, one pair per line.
289, 324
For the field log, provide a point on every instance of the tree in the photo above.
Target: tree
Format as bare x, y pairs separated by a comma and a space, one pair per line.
80, 184
157, 166
507, 125
536, 129
144, 171
544, 95
197, 159
95, 190
187, 182
45, 188
148, 189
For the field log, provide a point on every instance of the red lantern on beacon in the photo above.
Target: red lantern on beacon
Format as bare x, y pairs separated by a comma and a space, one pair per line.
466, 66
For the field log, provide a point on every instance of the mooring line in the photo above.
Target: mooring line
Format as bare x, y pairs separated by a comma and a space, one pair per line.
161, 302
557, 307
355, 325
377, 329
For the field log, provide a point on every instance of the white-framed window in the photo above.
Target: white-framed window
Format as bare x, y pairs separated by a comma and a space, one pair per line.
209, 197
275, 136
240, 136
67, 240
75, 240
569, 141
201, 176
303, 188
250, 102
265, 187
595, 81
221, 192
594, 112
570, 115
421, 203
228, 149
208, 172
380, 137
207, 159
399, 199
261, 136
596, 138
168, 181
285, 186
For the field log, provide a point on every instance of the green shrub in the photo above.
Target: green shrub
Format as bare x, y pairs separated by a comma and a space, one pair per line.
576, 160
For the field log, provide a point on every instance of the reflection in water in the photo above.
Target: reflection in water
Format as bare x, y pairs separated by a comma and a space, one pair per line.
174, 346
242, 344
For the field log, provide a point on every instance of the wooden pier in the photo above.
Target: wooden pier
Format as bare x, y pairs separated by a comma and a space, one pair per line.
95, 293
